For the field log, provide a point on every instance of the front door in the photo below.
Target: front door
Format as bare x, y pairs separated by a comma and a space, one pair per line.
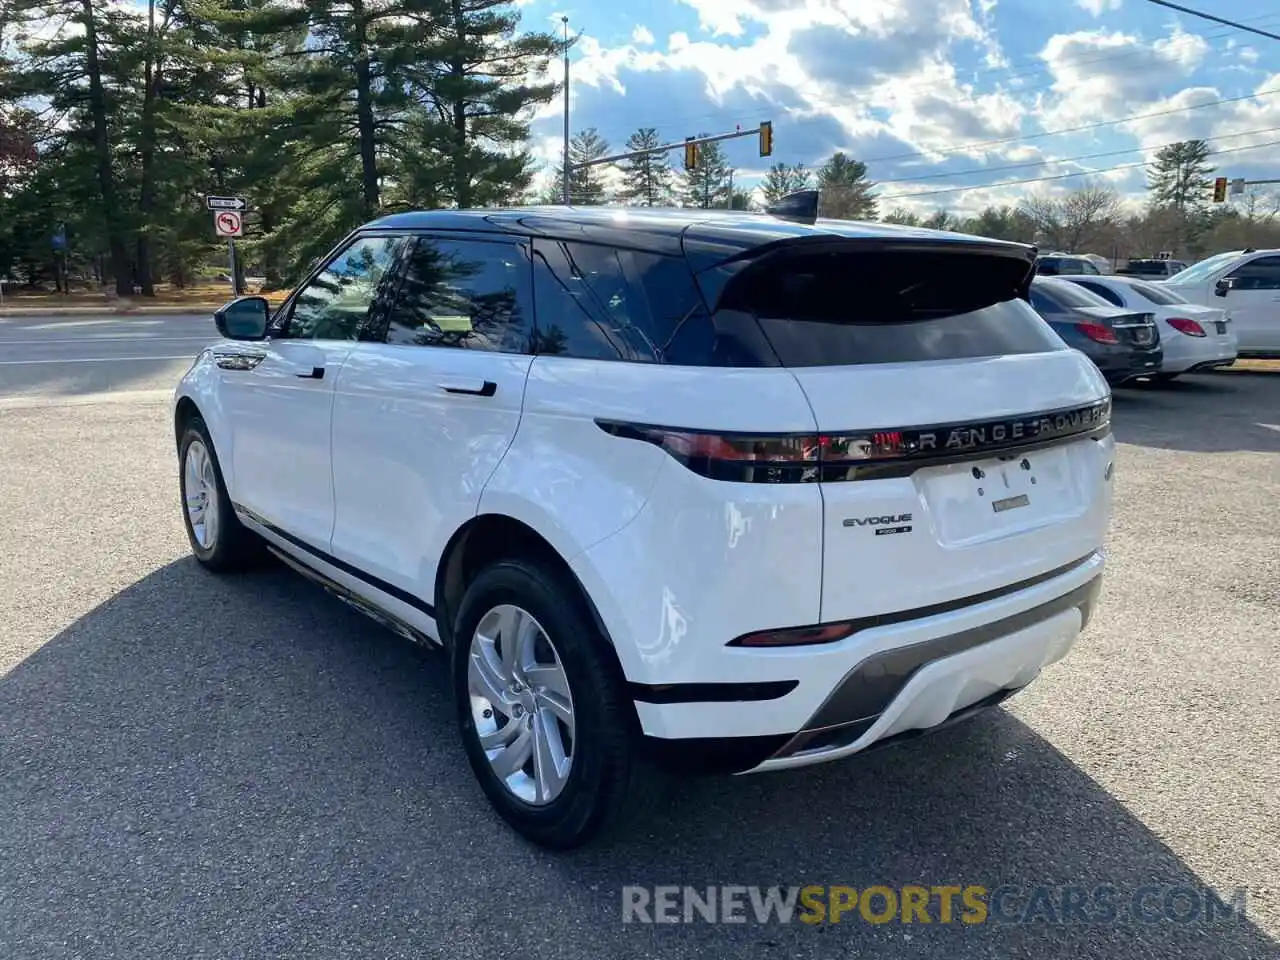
422, 419
279, 393
1254, 304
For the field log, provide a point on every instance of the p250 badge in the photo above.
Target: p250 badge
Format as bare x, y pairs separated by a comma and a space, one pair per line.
884, 526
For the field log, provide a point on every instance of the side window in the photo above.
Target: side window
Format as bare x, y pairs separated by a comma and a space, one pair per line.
336, 303
604, 303
470, 294
1105, 292
1260, 274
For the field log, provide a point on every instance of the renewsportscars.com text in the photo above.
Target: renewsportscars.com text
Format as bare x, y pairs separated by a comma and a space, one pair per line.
969, 904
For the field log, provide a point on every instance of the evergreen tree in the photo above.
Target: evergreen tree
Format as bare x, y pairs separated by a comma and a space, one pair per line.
845, 190
1179, 177
647, 180
708, 184
587, 185
783, 179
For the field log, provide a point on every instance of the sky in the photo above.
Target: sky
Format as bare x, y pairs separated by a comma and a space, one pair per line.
934, 95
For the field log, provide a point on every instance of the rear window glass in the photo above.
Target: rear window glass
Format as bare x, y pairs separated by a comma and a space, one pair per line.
837, 308
1071, 294
1149, 291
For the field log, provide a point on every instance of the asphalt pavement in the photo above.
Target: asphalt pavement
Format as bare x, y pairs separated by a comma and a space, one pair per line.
78, 357
242, 767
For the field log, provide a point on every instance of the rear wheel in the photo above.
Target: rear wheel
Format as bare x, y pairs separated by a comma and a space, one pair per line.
218, 539
544, 716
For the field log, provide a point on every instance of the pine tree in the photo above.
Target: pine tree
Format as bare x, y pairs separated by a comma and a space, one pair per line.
845, 190
1179, 177
587, 186
647, 180
67, 70
482, 80
783, 179
708, 184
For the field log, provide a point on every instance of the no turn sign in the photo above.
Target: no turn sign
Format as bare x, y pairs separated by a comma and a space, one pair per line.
228, 223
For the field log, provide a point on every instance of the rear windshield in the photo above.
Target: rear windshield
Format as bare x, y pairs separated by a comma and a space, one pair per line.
1070, 294
1149, 291
837, 308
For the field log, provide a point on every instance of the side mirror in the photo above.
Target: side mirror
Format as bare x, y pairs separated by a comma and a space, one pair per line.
1223, 286
244, 318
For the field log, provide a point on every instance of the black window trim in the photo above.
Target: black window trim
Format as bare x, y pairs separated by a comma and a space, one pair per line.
278, 326
399, 272
1234, 272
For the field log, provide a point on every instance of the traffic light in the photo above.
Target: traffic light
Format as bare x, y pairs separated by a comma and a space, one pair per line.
690, 154
1220, 190
766, 138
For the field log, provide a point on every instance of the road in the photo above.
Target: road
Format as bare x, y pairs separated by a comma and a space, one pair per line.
77, 357
204, 767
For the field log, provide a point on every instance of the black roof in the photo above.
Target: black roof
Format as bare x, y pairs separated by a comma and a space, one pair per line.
661, 229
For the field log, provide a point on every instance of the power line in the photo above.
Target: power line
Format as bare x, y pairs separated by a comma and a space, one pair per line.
1061, 176
1046, 162
688, 119
1077, 129
1215, 19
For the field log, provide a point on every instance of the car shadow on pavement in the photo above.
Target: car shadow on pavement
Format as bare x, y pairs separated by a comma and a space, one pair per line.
226, 767
1201, 413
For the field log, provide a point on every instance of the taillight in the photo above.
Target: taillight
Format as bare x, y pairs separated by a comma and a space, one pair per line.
857, 455
1098, 333
1186, 325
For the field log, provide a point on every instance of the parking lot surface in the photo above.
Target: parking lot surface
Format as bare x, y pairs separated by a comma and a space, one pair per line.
204, 767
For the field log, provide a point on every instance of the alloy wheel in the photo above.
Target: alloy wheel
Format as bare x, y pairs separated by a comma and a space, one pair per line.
521, 704
200, 490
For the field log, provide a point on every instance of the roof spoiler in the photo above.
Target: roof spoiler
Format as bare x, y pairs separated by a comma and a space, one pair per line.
798, 207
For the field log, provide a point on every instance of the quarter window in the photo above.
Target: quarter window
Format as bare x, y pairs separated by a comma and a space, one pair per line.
469, 294
337, 303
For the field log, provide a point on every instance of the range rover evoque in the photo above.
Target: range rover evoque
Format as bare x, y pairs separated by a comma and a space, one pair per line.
673, 488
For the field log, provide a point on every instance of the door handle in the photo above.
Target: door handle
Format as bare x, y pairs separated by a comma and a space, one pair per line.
317, 373
475, 388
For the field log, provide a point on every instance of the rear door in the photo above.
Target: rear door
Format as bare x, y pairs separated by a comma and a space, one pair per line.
964, 445
422, 418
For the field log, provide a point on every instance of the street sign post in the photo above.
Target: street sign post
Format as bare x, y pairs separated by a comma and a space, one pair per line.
226, 203
229, 224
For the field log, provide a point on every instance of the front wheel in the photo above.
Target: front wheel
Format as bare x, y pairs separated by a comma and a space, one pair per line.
545, 721
218, 539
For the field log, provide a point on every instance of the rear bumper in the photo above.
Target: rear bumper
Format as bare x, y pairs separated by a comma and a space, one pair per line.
1183, 354
888, 682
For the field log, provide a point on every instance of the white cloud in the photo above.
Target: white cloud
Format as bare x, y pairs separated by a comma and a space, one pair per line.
1099, 75
1098, 7
642, 35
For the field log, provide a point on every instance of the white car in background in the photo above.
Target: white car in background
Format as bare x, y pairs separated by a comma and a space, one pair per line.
1245, 283
1194, 337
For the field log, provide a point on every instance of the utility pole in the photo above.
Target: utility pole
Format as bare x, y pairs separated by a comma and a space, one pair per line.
565, 185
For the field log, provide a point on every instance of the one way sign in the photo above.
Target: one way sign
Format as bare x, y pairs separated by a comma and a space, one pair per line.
225, 203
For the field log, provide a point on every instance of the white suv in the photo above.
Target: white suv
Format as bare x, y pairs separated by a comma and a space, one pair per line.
722, 492
1245, 283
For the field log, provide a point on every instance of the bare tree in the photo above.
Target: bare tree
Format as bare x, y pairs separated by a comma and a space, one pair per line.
1089, 216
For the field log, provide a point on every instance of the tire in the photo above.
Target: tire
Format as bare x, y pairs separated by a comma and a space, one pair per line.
218, 539
605, 779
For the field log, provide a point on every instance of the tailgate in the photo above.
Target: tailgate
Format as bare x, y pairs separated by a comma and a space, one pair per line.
963, 446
